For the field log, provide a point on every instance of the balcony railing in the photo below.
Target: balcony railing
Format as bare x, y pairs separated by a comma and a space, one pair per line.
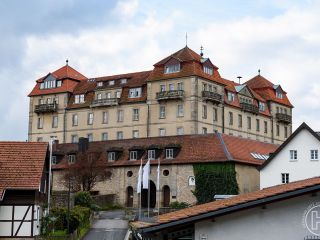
167, 95
105, 102
46, 108
285, 118
248, 107
212, 96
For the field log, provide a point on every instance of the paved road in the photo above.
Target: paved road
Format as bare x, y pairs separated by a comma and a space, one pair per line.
109, 226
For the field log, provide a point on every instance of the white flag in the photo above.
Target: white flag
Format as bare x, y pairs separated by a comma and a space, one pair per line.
158, 176
145, 177
139, 180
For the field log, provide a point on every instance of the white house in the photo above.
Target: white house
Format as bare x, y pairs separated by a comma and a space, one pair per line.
296, 159
286, 211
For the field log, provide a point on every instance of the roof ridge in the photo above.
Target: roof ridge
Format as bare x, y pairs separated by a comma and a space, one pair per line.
224, 146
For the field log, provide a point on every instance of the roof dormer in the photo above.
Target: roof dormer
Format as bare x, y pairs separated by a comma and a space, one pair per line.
172, 66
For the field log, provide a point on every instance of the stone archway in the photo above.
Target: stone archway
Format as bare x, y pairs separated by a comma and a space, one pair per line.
153, 196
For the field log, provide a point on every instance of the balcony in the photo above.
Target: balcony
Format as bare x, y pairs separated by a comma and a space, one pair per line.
248, 107
105, 102
282, 117
212, 96
170, 95
46, 108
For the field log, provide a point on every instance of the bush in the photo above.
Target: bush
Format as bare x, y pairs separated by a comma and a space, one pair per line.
179, 205
83, 199
108, 207
79, 217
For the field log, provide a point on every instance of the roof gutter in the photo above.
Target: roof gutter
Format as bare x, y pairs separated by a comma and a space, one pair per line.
232, 209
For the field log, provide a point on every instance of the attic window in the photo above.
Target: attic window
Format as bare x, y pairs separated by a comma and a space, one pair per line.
172, 68
71, 159
100, 84
208, 70
278, 93
230, 96
262, 107
123, 81
111, 82
135, 92
169, 153
111, 156
49, 82
79, 98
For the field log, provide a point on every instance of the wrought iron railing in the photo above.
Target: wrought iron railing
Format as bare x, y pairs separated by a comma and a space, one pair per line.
212, 96
172, 94
283, 117
45, 108
248, 107
105, 102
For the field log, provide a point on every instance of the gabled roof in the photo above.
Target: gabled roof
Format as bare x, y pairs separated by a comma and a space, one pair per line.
198, 148
289, 139
259, 82
68, 72
183, 55
21, 165
229, 206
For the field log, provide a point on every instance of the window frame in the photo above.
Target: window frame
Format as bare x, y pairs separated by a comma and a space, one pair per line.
285, 178
172, 68
169, 153
314, 155
133, 155
293, 155
151, 152
90, 118
162, 111
111, 156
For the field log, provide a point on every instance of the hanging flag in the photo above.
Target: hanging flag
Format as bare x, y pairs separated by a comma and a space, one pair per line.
139, 179
158, 176
145, 177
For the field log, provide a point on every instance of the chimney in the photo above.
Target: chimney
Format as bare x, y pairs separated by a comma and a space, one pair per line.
83, 144
54, 144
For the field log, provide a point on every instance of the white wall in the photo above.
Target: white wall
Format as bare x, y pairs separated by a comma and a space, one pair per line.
280, 220
300, 169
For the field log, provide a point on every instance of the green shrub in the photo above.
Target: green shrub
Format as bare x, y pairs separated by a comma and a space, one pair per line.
60, 216
83, 199
79, 217
108, 207
179, 205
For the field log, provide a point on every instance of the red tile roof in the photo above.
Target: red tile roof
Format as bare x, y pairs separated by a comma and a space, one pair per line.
211, 207
21, 165
193, 149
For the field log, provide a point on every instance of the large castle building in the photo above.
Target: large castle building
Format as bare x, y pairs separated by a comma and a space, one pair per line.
183, 94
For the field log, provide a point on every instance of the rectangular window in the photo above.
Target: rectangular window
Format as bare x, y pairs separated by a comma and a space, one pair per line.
135, 134
171, 87
54, 121
285, 132
54, 160
90, 118
239, 120
111, 83
293, 155
208, 70
111, 156
75, 120
135, 93
169, 153
179, 130
204, 87
99, 84
135, 114
40, 123
123, 81
162, 132
104, 136
314, 155
162, 113
49, 100
215, 114
265, 127
71, 159
56, 100
262, 107
74, 138
118, 94
162, 88
230, 118
79, 99
120, 116
172, 68
40, 101
39, 139
99, 96
257, 125
133, 155
180, 86
152, 154
204, 130
90, 137
230, 96
105, 117
285, 177
59, 83
277, 130
108, 94
180, 110
278, 94
204, 111
249, 122
119, 135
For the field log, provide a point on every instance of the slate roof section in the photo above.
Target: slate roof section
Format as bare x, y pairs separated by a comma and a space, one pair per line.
193, 149
21, 165
230, 205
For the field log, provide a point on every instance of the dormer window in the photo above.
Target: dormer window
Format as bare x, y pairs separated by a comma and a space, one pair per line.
123, 81
100, 84
133, 155
278, 93
208, 70
71, 159
169, 153
172, 68
79, 98
262, 106
59, 83
50, 82
111, 156
152, 154
230, 96
135, 92
111, 83
54, 160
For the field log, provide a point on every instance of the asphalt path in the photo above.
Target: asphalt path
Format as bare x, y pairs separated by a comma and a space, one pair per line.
109, 225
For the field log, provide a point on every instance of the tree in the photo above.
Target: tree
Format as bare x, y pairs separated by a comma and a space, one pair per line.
87, 170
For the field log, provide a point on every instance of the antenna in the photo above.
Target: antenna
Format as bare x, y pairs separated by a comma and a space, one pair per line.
186, 39
201, 51
239, 77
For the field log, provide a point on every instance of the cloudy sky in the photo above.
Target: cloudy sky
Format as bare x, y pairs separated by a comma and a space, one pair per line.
280, 37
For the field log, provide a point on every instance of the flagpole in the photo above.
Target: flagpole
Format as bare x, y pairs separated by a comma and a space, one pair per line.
140, 190
148, 193
159, 187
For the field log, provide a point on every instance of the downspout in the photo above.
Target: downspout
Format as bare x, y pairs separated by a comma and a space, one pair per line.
223, 118
148, 120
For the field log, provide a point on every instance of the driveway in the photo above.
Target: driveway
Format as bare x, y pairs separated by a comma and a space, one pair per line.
109, 226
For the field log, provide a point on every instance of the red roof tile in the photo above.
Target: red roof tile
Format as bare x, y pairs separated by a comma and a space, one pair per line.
21, 165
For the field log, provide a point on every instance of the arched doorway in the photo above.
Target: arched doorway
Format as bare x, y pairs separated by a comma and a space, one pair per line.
166, 196
129, 196
153, 196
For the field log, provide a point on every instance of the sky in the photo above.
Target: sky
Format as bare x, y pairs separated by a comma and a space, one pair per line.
100, 38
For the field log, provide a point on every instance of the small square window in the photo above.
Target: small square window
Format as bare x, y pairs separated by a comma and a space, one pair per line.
162, 132
111, 82
135, 134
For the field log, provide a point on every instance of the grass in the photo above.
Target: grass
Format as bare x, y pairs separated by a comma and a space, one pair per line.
58, 233
109, 207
